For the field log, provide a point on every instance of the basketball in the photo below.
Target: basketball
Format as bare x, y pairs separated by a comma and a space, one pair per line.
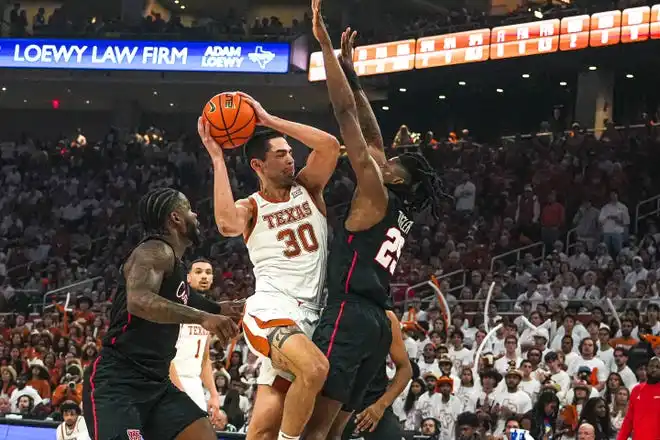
231, 118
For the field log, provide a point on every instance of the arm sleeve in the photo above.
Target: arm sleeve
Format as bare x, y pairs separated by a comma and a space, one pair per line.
199, 302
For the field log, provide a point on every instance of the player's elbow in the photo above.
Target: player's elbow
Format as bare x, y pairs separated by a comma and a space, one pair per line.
228, 227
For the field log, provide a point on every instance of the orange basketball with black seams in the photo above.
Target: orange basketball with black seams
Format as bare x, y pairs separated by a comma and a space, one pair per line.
231, 118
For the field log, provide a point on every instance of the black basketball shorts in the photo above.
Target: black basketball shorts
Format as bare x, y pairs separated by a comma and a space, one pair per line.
122, 403
388, 428
355, 336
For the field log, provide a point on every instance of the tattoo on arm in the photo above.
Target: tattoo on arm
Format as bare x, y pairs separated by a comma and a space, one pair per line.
279, 336
144, 273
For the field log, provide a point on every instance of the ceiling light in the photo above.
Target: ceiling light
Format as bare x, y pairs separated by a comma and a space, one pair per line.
525, 75
461, 83
302, 107
442, 97
592, 68
563, 83
630, 76
183, 7
87, 102
4, 89
176, 2
25, 101
386, 108
538, 14
499, 90
291, 96
171, 104
403, 90
155, 93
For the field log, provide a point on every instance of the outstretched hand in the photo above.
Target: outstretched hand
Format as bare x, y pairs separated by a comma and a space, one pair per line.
318, 25
347, 45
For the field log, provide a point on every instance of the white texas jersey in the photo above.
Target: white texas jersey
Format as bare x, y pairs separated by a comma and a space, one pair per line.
288, 246
79, 431
190, 350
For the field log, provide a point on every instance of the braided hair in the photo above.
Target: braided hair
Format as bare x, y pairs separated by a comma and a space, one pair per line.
155, 206
425, 189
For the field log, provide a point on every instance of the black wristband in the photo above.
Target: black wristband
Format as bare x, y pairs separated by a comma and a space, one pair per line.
352, 77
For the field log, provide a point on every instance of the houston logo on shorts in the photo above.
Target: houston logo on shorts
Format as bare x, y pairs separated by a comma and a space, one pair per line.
288, 215
134, 434
182, 293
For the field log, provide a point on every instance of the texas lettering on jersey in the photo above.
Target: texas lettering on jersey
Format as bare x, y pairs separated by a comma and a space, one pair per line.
288, 215
196, 330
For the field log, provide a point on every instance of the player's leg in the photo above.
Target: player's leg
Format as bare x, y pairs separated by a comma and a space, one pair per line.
175, 416
356, 338
102, 390
343, 426
290, 350
266, 414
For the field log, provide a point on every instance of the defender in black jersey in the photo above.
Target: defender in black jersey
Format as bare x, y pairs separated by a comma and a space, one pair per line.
127, 392
354, 332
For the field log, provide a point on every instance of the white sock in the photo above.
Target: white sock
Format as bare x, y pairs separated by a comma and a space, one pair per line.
283, 436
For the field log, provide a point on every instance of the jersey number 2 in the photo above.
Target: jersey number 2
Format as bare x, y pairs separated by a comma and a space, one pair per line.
390, 251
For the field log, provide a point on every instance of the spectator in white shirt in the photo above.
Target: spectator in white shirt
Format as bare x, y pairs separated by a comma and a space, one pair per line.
638, 273
621, 361
558, 299
513, 401
465, 195
531, 295
528, 383
445, 407
588, 359
614, 220
570, 328
588, 291
557, 374
459, 355
605, 350
510, 357
428, 362
579, 260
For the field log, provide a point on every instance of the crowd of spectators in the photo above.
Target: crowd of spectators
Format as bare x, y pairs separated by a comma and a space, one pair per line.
66, 216
231, 25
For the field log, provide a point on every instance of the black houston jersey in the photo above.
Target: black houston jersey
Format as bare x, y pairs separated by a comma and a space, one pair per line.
363, 263
149, 345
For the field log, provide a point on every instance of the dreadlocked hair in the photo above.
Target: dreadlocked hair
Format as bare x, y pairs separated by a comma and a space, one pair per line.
155, 206
425, 189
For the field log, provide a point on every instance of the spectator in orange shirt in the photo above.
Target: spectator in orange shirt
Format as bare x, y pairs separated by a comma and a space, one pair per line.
70, 387
54, 370
83, 306
552, 221
39, 378
626, 341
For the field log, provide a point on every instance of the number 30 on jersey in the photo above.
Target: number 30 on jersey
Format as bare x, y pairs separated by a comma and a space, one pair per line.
390, 251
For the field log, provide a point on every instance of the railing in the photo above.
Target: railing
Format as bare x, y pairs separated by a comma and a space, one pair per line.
570, 244
537, 245
59, 293
655, 200
463, 283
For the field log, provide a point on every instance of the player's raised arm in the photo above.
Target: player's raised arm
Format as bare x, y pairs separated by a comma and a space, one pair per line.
231, 217
366, 116
369, 179
144, 271
322, 160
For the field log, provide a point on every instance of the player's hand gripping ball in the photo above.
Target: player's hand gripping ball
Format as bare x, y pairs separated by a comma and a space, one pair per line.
231, 119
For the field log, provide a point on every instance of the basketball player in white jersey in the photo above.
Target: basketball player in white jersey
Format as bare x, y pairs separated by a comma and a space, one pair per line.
191, 370
73, 427
285, 230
